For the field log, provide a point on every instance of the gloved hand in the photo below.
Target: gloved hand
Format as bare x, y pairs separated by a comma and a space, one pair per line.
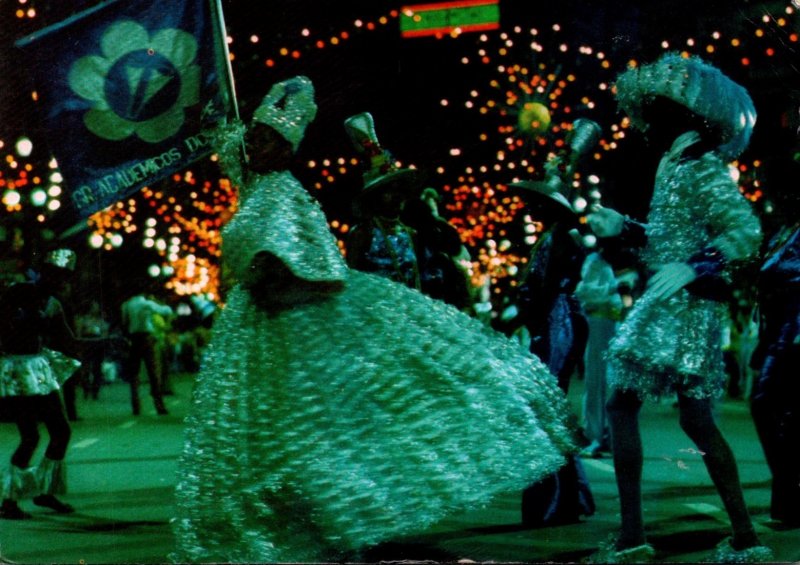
669, 279
605, 222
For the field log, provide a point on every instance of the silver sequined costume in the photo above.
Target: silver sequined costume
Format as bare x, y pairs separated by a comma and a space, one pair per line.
676, 342
353, 419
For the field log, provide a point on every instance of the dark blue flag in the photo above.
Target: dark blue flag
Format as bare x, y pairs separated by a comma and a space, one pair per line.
128, 91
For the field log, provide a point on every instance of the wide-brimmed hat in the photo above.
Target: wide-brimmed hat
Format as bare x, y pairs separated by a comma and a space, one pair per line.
582, 138
381, 172
699, 87
548, 195
288, 108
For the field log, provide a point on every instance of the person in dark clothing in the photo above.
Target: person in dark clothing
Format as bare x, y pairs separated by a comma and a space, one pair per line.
441, 255
381, 242
559, 331
774, 404
554, 317
546, 301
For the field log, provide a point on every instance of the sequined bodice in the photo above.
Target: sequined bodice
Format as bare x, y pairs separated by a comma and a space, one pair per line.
670, 236
696, 204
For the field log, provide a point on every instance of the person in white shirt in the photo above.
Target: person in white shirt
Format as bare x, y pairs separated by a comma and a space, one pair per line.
139, 326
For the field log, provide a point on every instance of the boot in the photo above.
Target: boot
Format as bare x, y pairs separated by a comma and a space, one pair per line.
50, 501
52, 476
11, 511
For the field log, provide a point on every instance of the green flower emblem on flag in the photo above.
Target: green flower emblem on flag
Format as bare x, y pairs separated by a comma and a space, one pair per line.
140, 85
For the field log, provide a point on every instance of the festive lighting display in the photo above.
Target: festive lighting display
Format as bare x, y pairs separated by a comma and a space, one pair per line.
748, 176
182, 224
21, 185
525, 111
529, 86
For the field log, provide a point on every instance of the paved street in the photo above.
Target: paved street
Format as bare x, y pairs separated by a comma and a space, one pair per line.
122, 474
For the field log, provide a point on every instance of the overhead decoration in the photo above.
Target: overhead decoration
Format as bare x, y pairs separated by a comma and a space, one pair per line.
443, 18
529, 88
126, 90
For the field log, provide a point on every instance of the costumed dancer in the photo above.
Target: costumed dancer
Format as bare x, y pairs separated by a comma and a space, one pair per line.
699, 230
336, 409
35, 339
555, 319
382, 242
400, 234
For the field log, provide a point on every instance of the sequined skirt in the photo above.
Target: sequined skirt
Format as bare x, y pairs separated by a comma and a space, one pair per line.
357, 419
40, 373
669, 345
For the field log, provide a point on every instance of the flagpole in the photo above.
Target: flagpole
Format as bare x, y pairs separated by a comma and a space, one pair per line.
220, 21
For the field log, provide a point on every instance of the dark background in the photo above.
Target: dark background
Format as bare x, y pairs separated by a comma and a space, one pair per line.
401, 81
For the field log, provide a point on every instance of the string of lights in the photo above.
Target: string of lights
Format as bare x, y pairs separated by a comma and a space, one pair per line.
530, 85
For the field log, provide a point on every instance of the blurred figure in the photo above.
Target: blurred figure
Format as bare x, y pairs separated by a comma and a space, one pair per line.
546, 299
138, 315
400, 234
37, 354
599, 295
558, 331
382, 243
554, 317
92, 324
775, 401
192, 327
443, 260
69, 387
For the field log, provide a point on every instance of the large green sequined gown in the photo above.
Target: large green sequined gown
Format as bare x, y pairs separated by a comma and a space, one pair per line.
360, 417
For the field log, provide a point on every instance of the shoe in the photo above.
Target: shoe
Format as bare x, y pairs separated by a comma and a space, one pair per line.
608, 553
785, 523
11, 511
159, 405
594, 450
50, 501
725, 553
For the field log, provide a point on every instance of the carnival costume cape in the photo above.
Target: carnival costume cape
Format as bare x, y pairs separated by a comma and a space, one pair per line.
362, 416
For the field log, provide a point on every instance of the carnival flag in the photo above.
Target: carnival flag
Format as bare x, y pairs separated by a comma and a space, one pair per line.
128, 91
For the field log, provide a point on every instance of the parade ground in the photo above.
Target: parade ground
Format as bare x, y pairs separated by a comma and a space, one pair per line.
123, 471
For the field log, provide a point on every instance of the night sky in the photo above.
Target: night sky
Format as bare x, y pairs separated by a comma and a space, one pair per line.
403, 82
